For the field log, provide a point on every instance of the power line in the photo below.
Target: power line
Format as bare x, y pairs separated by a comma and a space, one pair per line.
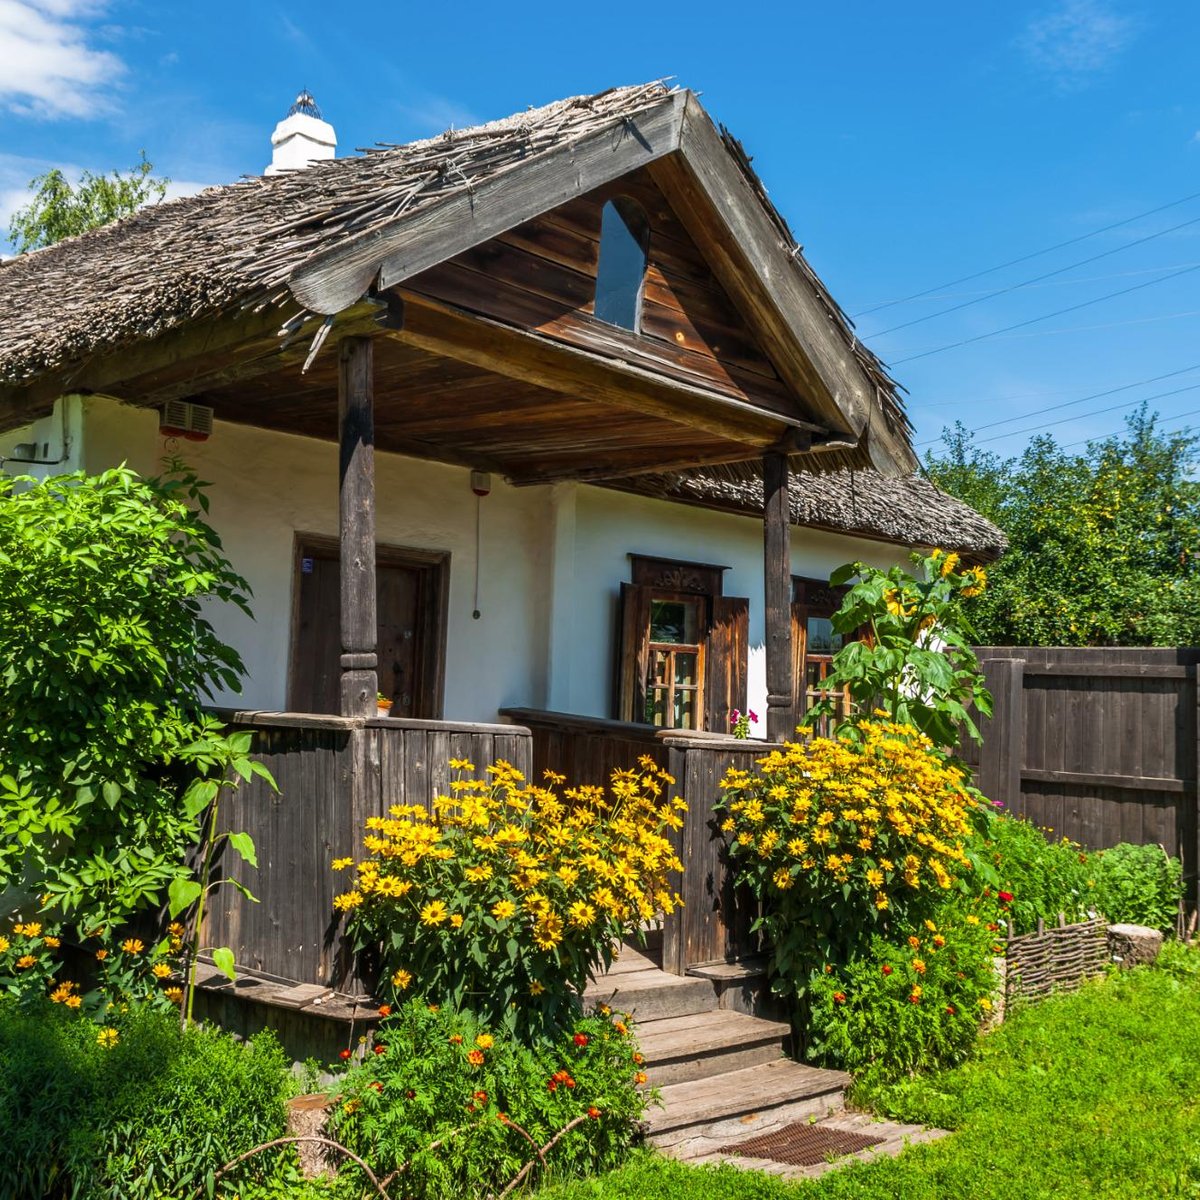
1137, 287
999, 437
1101, 437
1036, 279
1037, 412
1012, 262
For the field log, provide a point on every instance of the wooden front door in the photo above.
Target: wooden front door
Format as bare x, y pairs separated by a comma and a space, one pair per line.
410, 590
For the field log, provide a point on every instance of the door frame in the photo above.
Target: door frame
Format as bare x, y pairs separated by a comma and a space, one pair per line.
433, 615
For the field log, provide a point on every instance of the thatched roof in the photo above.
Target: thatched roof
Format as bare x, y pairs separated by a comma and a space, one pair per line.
908, 510
238, 246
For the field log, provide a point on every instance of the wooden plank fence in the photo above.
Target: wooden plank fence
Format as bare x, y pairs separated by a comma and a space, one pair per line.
1100, 745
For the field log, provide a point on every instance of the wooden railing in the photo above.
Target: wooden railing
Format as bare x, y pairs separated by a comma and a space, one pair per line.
714, 924
332, 773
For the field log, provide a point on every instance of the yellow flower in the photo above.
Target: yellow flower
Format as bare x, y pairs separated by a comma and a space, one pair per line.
51, 943
985, 1004
503, 910
875, 878
536, 988
26, 960
485, 1041
3, 944
29, 929
347, 900
101, 955
160, 970
783, 879
133, 945
401, 979
972, 919
63, 992
434, 913
919, 966
881, 901
456, 921
108, 1037
948, 564
74, 1001
581, 914
174, 994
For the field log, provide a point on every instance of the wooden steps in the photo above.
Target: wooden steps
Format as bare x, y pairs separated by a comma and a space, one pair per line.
701, 1045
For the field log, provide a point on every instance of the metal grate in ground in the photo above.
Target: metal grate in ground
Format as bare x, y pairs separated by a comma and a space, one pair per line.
803, 1145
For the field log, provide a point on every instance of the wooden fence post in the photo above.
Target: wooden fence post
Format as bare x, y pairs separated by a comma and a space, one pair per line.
1003, 751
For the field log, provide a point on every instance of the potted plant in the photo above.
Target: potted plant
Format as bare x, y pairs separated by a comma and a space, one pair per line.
383, 704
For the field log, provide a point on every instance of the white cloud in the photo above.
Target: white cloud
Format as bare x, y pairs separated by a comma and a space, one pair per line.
47, 66
1075, 39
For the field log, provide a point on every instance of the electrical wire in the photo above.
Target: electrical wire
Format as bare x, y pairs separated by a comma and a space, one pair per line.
1137, 287
1037, 412
1101, 437
1012, 262
1036, 279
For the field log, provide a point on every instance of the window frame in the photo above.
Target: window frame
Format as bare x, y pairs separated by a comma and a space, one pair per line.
813, 598
623, 209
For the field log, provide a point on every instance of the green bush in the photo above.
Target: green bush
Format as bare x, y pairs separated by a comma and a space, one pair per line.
913, 1003
1140, 885
1044, 878
138, 1110
438, 1076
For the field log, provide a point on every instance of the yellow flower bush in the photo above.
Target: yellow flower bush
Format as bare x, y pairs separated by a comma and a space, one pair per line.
838, 839
506, 896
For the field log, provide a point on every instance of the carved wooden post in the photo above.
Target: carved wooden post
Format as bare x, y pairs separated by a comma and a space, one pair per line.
777, 580
356, 507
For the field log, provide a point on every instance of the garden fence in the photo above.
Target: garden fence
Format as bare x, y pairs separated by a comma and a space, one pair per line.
1099, 744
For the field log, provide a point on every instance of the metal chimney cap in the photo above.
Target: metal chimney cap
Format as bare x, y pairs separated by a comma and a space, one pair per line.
305, 104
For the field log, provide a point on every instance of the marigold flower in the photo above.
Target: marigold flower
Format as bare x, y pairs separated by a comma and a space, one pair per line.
379, 1049
621, 1028
476, 1058
886, 969
456, 1039
919, 966
344, 1054
839, 997
640, 1078
593, 1112
485, 1041
481, 1097
385, 1010
581, 1040
133, 945
985, 1004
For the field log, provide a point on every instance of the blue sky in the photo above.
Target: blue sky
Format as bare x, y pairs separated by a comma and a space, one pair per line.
908, 145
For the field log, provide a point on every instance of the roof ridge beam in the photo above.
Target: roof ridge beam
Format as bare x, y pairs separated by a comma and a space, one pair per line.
330, 281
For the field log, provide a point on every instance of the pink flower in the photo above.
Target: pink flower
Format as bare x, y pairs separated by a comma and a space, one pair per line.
753, 717
733, 716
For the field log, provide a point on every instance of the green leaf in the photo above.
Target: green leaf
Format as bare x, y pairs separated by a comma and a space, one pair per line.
223, 960
243, 843
182, 893
199, 796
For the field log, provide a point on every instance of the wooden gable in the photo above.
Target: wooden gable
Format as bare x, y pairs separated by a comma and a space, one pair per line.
541, 277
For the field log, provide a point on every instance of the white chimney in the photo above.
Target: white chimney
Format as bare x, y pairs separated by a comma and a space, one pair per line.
301, 137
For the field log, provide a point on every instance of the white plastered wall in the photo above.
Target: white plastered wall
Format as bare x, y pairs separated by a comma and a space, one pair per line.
552, 563
266, 487
55, 443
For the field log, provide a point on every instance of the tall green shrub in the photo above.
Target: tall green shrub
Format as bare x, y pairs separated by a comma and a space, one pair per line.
1139, 885
105, 657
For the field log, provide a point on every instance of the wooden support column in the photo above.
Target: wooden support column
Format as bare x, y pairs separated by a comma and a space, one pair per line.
777, 590
356, 533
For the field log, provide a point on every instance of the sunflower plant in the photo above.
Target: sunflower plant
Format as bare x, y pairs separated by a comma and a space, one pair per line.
842, 839
505, 897
912, 655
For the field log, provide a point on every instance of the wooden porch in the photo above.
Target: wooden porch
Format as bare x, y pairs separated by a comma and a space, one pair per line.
334, 772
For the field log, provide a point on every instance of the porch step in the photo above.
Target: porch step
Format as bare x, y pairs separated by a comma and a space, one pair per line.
700, 1045
736, 1105
635, 984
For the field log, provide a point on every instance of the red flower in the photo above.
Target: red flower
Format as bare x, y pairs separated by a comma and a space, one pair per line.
343, 1055
569, 1082
551, 1085
381, 1049
886, 969
1005, 897
594, 1113
481, 1097
376, 1085
385, 1010
409, 1094
950, 1009
839, 997
581, 1040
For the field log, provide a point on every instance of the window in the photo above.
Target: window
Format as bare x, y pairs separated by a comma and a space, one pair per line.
621, 271
814, 641
683, 653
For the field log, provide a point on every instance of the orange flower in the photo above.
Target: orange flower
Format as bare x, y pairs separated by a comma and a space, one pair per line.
52, 942
839, 997
476, 1058
385, 1010
640, 1078
26, 960
174, 994
593, 1112
456, 1039
133, 945
101, 955
621, 1028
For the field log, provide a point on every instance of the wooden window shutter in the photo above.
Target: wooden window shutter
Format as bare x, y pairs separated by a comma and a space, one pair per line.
726, 662
633, 648
799, 681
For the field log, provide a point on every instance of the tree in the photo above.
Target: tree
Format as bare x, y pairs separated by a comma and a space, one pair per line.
1102, 544
59, 210
108, 764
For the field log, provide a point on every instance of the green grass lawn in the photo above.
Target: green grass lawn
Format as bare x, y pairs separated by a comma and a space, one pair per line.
1092, 1094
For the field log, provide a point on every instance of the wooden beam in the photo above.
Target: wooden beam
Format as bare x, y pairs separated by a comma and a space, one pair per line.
329, 281
777, 592
517, 354
356, 532
628, 469
746, 251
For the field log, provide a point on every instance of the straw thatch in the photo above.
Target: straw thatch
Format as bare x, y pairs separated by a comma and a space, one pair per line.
236, 246
908, 510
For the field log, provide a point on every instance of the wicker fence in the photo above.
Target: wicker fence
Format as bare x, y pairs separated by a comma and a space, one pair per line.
1058, 958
